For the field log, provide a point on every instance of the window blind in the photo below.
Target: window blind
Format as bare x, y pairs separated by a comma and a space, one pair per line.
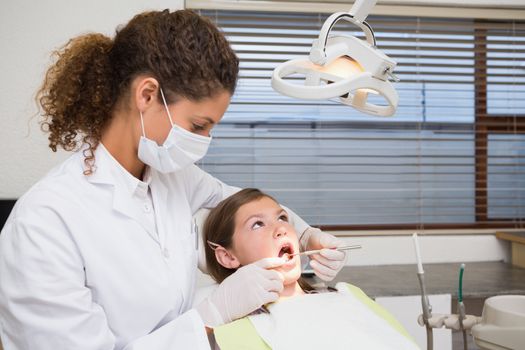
452, 156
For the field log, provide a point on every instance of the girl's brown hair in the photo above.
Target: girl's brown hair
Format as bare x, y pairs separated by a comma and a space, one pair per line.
219, 228
185, 52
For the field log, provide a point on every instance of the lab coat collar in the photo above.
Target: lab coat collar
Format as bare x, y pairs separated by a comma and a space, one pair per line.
108, 171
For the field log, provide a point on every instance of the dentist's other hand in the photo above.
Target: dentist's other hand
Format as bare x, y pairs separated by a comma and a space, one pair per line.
243, 292
328, 262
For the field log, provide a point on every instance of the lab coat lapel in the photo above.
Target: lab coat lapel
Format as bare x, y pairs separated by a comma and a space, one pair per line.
159, 192
123, 200
125, 204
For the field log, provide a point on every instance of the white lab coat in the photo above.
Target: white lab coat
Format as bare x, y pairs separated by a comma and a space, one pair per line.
81, 267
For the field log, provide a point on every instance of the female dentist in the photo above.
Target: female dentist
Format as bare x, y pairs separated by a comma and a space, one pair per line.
101, 253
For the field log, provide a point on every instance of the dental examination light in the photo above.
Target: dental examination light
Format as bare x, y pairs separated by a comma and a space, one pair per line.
343, 67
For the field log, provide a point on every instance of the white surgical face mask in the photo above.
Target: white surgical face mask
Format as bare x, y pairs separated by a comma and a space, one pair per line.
181, 148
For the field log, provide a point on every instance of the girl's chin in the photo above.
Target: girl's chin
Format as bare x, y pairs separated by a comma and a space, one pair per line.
291, 279
292, 275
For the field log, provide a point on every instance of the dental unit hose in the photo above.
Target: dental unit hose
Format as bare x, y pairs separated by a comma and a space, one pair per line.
460, 321
427, 309
461, 306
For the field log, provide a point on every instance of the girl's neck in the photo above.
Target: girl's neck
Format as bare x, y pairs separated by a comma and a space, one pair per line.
291, 290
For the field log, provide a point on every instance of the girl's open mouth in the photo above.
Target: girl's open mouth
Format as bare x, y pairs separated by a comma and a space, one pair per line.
287, 249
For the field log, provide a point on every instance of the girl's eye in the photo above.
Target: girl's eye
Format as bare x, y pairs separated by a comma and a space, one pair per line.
257, 225
283, 218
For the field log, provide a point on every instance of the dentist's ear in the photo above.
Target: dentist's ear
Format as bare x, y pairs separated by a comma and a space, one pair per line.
146, 92
226, 259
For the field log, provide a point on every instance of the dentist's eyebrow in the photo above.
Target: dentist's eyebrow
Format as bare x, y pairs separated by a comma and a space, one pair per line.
208, 119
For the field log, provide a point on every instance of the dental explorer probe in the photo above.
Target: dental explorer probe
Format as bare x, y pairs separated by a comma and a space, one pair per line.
310, 252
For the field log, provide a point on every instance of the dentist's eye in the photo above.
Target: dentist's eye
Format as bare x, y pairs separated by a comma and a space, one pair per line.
257, 225
197, 127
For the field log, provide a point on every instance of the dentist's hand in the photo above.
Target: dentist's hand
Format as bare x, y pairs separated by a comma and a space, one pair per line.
328, 262
246, 290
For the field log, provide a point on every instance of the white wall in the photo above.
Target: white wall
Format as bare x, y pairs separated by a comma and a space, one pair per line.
29, 32
386, 250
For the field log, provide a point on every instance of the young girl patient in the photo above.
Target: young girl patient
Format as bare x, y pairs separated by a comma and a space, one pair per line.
251, 225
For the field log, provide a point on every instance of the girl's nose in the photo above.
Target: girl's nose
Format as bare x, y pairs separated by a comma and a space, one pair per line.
280, 230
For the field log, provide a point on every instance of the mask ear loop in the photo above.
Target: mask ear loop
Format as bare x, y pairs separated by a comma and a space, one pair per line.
142, 123
166, 106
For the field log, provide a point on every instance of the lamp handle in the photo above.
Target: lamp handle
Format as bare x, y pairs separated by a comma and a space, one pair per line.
318, 53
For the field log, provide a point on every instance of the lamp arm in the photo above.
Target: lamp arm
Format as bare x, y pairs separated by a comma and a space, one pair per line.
361, 9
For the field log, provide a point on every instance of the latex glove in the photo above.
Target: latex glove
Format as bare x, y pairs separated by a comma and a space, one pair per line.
243, 292
328, 262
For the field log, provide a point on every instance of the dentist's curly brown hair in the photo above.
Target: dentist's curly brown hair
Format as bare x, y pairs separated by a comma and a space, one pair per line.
92, 73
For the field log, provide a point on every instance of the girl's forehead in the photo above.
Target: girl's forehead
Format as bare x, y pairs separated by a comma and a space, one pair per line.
262, 206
